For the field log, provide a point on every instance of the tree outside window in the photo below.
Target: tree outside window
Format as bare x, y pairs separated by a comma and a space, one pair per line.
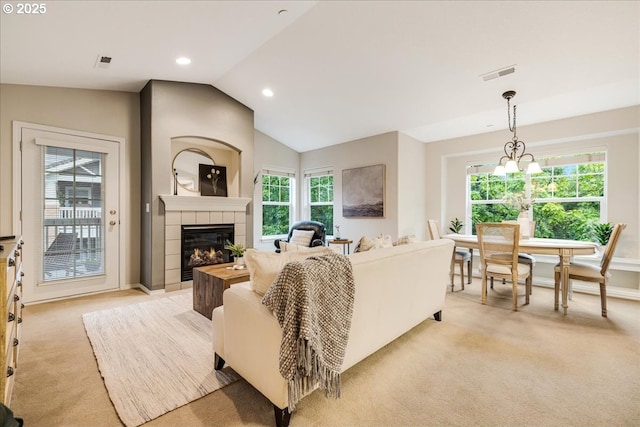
276, 204
320, 190
568, 197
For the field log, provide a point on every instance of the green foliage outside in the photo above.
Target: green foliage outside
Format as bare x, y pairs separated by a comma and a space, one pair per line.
276, 194
558, 211
321, 200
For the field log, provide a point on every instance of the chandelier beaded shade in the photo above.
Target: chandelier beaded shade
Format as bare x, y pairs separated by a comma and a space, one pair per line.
515, 149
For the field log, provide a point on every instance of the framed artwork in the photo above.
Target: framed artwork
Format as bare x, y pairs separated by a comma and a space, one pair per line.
213, 180
363, 192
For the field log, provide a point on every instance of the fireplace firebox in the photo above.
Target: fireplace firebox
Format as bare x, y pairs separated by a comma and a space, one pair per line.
204, 245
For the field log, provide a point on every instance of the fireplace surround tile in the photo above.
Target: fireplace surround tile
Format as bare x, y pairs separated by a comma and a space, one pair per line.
216, 217
172, 247
203, 218
172, 218
188, 217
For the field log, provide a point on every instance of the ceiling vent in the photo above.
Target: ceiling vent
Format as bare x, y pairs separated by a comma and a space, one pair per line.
102, 62
498, 73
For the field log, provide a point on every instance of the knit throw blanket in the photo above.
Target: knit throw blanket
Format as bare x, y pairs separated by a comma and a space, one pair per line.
313, 302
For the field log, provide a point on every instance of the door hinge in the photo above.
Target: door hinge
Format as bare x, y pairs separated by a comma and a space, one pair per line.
20, 145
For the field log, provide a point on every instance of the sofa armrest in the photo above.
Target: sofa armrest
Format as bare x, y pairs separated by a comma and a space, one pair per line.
252, 338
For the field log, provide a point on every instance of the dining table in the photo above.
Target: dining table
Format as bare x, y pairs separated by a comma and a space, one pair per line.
564, 249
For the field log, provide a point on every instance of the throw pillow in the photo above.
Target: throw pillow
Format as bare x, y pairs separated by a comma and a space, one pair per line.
264, 266
405, 240
288, 247
364, 244
302, 237
382, 242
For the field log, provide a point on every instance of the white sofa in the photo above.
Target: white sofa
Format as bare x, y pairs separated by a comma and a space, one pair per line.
395, 289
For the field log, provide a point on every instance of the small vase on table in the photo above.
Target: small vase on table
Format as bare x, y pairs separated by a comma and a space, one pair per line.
525, 226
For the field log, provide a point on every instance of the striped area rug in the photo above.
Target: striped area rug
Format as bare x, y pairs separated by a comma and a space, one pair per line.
154, 356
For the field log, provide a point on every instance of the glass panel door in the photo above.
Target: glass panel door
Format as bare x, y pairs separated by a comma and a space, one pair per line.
73, 213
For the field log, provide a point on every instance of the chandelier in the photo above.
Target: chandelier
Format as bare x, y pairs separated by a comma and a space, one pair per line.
515, 149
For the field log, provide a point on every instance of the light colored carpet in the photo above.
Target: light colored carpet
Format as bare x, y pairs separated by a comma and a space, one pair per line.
154, 356
483, 365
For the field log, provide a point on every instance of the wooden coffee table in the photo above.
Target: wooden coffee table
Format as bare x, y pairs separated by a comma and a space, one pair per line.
209, 283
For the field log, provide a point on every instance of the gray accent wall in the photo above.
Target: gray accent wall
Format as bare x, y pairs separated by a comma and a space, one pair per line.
175, 109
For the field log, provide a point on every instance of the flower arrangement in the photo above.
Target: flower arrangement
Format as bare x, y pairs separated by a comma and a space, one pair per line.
518, 200
214, 176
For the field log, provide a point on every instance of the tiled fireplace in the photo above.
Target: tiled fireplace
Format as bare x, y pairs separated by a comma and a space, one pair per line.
185, 210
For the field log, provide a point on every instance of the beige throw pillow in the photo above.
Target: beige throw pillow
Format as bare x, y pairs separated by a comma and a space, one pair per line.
405, 240
264, 266
302, 237
364, 244
382, 242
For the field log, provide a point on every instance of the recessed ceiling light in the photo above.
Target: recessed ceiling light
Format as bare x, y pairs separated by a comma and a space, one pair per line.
267, 92
183, 60
282, 12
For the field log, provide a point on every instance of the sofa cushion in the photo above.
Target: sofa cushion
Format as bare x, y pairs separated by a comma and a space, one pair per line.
264, 266
302, 237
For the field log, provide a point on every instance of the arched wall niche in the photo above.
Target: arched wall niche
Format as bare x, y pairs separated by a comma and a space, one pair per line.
222, 154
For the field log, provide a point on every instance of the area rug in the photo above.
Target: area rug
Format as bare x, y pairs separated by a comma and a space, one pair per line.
154, 356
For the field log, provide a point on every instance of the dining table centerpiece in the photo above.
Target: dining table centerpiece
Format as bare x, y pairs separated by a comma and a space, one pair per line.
523, 204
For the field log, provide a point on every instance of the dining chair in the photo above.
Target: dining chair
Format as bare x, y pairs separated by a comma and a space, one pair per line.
460, 256
591, 273
524, 258
498, 243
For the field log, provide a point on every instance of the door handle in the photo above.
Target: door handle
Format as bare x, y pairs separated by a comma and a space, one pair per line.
112, 223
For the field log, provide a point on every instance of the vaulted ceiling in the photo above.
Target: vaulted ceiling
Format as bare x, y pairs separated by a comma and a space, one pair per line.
342, 70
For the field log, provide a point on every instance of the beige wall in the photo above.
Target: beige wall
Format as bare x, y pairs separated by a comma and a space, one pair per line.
374, 150
103, 112
412, 187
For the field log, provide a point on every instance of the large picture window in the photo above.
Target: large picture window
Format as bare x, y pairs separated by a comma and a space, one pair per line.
320, 198
277, 203
569, 195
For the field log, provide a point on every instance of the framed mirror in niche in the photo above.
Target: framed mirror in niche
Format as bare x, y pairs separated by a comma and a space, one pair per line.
186, 167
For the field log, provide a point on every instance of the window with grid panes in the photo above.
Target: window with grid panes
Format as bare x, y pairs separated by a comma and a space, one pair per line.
320, 199
569, 195
277, 207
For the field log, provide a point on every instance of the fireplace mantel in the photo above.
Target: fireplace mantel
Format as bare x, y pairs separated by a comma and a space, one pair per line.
204, 203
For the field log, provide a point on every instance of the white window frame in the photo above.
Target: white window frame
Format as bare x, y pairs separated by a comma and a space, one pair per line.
595, 155
316, 173
292, 197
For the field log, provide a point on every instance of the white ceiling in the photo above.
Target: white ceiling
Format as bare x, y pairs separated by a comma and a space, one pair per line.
343, 70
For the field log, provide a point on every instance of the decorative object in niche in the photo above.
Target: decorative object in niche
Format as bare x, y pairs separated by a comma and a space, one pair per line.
185, 169
363, 192
213, 180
